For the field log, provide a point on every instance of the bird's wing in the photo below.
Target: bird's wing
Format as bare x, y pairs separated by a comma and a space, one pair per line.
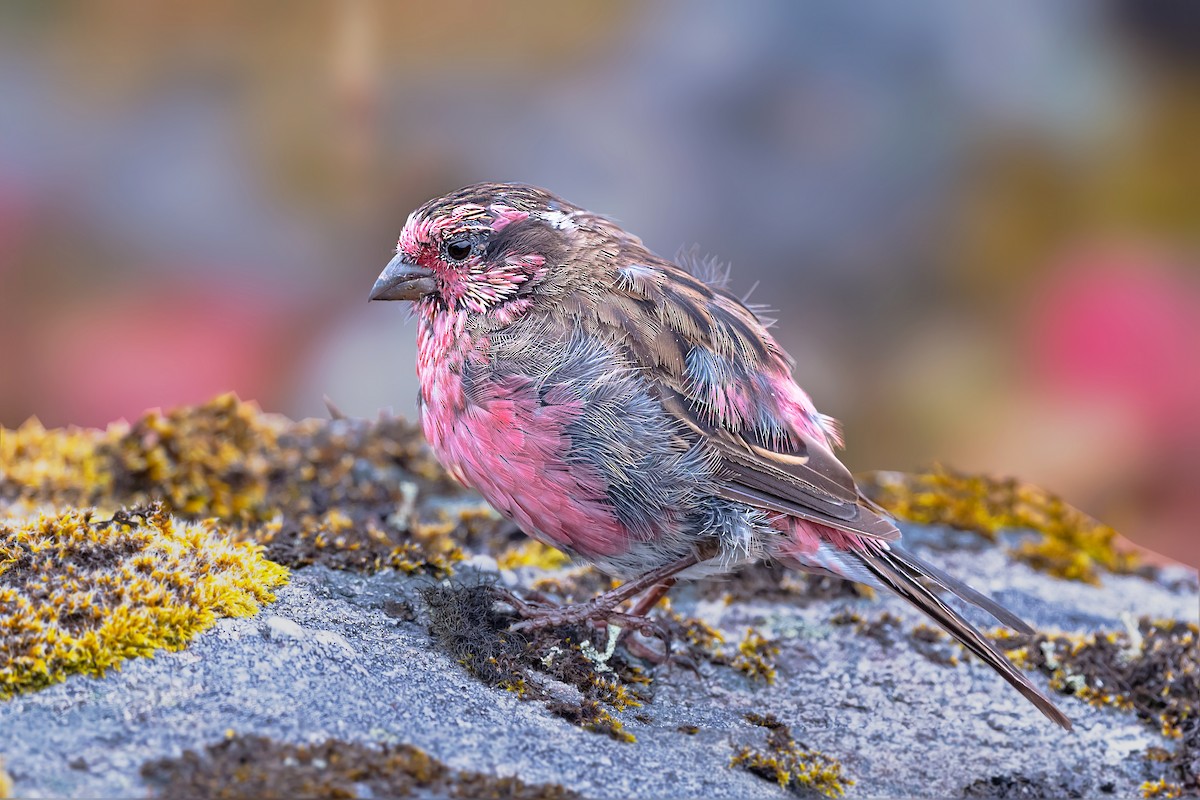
806, 480
716, 369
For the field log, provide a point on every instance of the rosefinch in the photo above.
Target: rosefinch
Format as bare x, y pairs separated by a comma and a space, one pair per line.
620, 409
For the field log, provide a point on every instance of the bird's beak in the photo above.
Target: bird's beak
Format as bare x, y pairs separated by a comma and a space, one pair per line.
401, 280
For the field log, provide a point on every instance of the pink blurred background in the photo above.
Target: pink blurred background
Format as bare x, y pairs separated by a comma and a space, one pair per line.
979, 222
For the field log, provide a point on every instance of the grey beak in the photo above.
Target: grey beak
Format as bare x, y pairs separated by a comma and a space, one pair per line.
401, 280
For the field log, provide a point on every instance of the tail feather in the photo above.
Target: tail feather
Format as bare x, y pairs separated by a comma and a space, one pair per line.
957, 587
899, 572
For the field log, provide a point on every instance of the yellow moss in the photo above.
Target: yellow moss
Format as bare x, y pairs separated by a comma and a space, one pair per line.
616, 694
603, 722
6, 783
754, 657
338, 492
800, 768
1072, 545
696, 632
80, 596
533, 553
1160, 788
56, 463
790, 764
200, 460
224, 458
928, 633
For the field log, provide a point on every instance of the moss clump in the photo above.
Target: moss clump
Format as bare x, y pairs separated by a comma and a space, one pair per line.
338, 541
697, 635
224, 459
208, 461
755, 657
466, 625
1152, 669
79, 595
591, 715
254, 767
788, 763
1161, 788
350, 494
1071, 545
6, 784
60, 466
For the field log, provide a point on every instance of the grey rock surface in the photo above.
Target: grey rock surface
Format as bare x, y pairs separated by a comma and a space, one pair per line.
327, 660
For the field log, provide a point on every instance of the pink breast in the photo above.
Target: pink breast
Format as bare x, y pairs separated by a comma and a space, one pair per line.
515, 451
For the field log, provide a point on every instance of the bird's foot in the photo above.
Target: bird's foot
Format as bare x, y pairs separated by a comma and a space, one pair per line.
600, 611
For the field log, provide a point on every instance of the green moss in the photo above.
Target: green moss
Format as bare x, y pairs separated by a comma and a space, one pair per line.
788, 763
79, 595
254, 768
1071, 544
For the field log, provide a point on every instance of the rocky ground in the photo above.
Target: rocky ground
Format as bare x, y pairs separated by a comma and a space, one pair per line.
393, 674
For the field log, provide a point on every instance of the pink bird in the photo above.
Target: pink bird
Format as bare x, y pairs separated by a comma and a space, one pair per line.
621, 409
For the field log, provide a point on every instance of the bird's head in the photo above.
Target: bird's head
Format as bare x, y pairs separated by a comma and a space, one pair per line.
483, 249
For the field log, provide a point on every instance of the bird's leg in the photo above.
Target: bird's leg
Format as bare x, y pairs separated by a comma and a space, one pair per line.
603, 608
642, 608
650, 599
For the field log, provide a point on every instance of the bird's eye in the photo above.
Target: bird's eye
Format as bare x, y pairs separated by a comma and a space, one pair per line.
458, 251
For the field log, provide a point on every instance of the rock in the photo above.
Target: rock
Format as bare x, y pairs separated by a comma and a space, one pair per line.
900, 724
276, 627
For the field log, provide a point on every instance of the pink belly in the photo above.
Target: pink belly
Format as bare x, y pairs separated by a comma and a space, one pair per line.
515, 451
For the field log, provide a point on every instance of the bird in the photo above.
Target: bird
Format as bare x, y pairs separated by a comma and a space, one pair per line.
632, 412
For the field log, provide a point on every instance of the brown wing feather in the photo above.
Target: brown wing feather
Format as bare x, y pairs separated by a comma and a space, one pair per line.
661, 312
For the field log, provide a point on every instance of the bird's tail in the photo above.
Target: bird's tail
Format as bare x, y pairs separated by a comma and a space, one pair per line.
901, 572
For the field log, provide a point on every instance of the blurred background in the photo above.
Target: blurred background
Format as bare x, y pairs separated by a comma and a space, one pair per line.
979, 222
